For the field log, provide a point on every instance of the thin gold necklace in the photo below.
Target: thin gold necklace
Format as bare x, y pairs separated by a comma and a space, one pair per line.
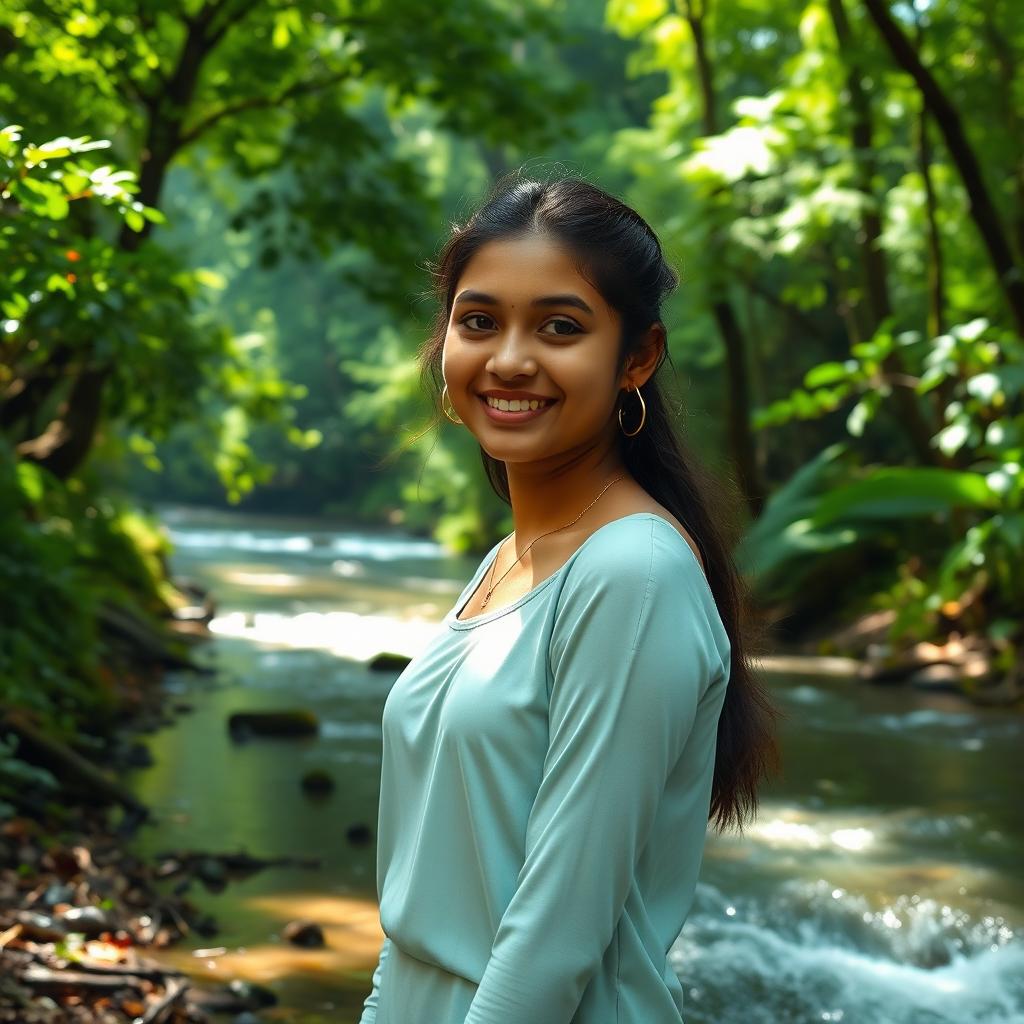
491, 586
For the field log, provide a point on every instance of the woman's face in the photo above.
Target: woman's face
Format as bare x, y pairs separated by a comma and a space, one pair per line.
525, 327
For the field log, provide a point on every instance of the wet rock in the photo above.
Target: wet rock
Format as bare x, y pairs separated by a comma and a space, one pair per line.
247, 1018
317, 782
205, 925
387, 661
937, 678
41, 927
304, 933
255, 997
89, 921
136, 755
212, 873
358, 834
219, 1000
244, 724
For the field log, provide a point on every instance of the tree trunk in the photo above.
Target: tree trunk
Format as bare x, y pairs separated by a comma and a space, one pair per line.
873, 258
65, 443
936, 267
1007, 64
982, 209
741, 437
742, 441
25, 396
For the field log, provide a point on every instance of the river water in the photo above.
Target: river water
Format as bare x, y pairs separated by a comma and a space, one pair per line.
881, 884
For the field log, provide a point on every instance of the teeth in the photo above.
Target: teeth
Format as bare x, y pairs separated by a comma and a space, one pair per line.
513, 404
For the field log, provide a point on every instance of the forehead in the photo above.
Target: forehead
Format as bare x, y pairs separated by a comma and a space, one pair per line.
515, 270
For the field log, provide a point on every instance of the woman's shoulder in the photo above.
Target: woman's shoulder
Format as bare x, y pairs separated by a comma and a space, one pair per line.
639, 547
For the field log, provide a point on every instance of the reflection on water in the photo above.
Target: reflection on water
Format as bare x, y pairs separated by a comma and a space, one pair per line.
346, 634
880, 884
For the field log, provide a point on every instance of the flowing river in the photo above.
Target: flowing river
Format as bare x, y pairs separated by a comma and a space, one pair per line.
883, 882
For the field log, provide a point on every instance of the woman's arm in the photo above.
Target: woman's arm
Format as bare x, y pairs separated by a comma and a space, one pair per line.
370, 1004
631, 653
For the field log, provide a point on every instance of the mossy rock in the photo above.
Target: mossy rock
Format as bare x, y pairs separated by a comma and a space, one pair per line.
387, 661
287, 723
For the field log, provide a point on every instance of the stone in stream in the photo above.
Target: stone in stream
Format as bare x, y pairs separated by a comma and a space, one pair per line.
244, 724
317, 782
304, 933
387, 661
235, 997
255, 997
212, 873
358, 834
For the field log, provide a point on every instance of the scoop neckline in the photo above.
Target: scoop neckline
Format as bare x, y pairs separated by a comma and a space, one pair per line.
478, 620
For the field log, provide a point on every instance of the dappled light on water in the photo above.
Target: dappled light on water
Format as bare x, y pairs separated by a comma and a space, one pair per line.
880, 881
779, 832
345, 634
352, 938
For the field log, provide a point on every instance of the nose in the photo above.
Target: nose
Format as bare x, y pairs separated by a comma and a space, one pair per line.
512, 356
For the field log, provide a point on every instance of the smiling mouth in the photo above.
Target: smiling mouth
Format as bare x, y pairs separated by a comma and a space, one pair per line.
516, 404
512, 412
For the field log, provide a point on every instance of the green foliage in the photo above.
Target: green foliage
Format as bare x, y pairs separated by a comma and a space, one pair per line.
261, 341
49, 643
17, 776
72, 295
796, 150
974, 375
70, 550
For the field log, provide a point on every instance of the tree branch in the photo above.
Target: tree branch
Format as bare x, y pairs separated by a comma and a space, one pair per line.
261, 103
244, 9
982, 209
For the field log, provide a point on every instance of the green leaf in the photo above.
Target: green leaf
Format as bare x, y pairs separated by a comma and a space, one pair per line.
895, 493
829, 373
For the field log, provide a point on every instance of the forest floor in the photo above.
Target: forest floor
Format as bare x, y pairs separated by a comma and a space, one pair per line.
78, 912
969, 665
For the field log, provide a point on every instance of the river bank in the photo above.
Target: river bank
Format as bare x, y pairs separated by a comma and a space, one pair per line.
78, 912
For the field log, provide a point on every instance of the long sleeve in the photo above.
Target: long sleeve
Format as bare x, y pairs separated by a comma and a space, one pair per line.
370, 1004
631, 654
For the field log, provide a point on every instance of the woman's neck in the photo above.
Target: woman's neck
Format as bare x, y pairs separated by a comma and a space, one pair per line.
546, 499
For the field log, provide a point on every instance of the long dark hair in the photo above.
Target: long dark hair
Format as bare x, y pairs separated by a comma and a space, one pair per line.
616, 250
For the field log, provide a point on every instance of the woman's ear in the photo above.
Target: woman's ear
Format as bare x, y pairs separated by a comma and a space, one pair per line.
645, 358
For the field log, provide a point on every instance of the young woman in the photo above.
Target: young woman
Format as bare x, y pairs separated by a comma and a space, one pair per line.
552, 758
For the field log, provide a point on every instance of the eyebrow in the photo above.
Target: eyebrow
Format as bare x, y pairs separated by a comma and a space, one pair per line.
546, 300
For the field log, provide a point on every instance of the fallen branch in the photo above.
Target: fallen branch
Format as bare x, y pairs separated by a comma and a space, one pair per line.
43, 977
158, 974
160, 1011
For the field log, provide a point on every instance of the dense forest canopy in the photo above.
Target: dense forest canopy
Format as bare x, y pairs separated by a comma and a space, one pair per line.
217, 217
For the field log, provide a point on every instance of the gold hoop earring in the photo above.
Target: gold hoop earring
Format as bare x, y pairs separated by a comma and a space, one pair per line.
448, 415
643, 415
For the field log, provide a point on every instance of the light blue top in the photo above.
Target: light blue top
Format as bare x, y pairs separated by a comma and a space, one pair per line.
546, 784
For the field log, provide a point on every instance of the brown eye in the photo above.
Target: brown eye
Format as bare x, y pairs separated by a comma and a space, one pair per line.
574, 328
474, 316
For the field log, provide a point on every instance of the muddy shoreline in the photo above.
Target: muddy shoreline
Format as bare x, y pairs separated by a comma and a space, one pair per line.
78, 912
